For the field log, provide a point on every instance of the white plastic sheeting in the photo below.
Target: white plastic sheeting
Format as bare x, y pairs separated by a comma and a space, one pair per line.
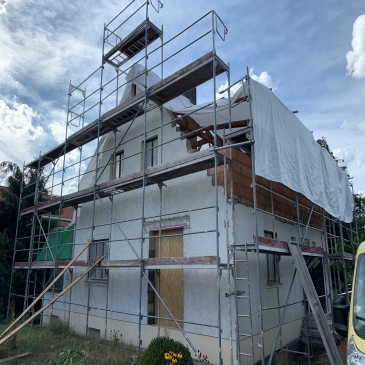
285, 150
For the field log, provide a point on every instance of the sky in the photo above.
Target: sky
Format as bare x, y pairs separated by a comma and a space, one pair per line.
312, 54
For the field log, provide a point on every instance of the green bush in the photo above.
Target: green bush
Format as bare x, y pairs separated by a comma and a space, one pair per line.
155, 353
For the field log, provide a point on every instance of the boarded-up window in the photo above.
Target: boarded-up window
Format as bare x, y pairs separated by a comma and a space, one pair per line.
169, 282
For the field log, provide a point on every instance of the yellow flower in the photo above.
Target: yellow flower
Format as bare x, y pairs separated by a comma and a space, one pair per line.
179, 355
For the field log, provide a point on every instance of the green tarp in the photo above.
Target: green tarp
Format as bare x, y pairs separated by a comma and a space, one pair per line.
64, 250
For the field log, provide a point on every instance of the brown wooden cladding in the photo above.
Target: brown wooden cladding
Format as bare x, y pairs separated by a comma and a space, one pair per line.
284, 209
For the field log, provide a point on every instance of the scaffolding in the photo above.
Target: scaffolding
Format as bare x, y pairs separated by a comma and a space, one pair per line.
96, 111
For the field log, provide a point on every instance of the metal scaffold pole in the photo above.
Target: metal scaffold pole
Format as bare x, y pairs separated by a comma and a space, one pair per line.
95, 182
254, 192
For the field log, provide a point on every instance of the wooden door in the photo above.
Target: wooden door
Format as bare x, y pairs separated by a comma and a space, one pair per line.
170, 281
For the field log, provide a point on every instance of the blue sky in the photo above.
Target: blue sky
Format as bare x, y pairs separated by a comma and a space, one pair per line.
311, 52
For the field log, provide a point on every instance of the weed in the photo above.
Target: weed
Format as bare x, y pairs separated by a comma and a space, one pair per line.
69, 357
59, 328
51, 346
115, 337
135, 360
203, 358
12, 343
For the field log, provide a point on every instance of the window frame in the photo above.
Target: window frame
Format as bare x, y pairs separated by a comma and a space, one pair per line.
115, 174
94, 274
272, 263
150, 150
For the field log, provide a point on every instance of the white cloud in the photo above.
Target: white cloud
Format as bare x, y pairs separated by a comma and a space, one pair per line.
2, 6
58, 130
361, 126
72, 187
265, 79
356, 58
18, 131
348, 154
234, 89
344, 125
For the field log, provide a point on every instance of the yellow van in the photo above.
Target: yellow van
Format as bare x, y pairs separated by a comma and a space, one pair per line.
356, 324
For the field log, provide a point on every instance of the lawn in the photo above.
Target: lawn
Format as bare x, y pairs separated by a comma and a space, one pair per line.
57, 345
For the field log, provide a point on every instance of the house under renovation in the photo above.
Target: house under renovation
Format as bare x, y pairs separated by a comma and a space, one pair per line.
221, 225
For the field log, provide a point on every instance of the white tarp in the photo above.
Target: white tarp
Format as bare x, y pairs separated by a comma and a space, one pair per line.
285, 150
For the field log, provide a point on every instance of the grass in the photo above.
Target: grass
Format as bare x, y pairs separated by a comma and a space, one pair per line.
57, 345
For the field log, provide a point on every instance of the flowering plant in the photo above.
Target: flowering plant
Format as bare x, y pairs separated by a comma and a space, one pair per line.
173, 357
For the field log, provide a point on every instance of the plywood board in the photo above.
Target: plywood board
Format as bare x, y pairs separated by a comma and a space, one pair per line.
170, 281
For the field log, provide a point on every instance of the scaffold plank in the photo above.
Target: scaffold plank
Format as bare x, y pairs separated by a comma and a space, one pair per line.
161, 262
189, 77
133, 43
270, 245
198, 161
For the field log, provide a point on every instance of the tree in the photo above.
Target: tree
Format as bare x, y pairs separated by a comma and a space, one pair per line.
360, 215
323, 143
8, 226
5, 271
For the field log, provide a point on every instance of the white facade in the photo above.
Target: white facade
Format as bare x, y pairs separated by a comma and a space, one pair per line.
182, 200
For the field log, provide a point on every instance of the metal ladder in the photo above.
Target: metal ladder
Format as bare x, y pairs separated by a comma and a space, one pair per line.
242, 295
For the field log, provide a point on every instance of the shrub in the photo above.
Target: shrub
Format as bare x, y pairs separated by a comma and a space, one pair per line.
155, 353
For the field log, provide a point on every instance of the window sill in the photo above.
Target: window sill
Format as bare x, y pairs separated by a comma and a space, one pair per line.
273, 285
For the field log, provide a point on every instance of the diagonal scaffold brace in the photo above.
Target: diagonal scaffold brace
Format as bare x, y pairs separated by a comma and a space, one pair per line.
51, 301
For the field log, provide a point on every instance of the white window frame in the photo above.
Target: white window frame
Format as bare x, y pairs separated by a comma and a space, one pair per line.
272, 263
98, 248
152, 152
117, 166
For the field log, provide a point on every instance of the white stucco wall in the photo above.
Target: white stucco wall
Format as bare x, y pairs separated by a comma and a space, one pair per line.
181, 199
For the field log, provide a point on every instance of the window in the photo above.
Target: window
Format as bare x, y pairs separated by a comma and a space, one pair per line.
151, 147
273, 275
98, 248
117, 168
134, 90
